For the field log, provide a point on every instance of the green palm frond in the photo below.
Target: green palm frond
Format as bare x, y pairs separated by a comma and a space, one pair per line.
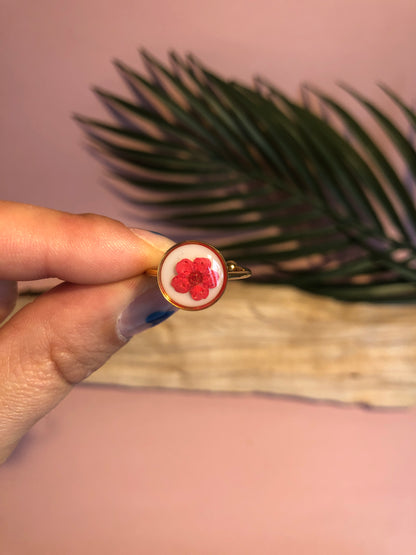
303, 199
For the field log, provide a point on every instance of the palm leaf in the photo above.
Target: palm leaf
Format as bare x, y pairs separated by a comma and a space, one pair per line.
304, 198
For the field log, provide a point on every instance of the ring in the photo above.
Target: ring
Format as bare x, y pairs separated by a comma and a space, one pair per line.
193, 275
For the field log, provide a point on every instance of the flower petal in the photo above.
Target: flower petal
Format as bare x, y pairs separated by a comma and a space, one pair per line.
210, 279
184, 267
202, 265
181, 284
199, 292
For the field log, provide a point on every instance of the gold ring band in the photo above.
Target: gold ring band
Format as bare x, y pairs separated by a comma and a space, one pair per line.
234, 271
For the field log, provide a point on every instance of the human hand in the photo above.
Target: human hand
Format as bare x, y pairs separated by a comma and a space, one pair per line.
71, 330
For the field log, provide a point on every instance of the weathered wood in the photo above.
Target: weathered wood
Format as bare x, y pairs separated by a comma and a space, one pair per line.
262, 338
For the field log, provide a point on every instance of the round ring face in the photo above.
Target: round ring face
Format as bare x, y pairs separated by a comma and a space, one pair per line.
192, 275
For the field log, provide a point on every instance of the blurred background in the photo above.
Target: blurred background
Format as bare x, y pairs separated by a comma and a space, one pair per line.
128, 471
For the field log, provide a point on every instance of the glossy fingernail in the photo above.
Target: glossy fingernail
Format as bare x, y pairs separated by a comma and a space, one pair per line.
147, 310
157, 241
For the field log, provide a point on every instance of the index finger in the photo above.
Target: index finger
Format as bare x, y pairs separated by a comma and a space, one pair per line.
38, 243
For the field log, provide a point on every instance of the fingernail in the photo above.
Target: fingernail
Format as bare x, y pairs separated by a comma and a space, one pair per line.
148, 309
157, 241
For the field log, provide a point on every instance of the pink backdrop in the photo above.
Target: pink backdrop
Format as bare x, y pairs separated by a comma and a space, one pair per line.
116, 471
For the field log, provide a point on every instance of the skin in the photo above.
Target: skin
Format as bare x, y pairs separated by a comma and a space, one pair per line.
71, 330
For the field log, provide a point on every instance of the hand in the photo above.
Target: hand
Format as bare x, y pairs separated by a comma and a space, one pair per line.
70, 331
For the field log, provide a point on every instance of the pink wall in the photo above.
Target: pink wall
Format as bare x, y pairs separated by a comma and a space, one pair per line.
128, 472
153, 473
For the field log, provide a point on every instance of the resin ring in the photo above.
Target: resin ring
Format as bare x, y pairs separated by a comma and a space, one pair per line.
193, 275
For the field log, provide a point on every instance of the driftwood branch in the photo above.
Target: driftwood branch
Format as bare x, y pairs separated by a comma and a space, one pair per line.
262, 338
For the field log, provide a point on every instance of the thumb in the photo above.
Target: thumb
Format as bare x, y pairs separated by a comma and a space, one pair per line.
60, 338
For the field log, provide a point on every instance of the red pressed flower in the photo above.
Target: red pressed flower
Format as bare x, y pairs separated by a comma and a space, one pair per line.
195, 277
